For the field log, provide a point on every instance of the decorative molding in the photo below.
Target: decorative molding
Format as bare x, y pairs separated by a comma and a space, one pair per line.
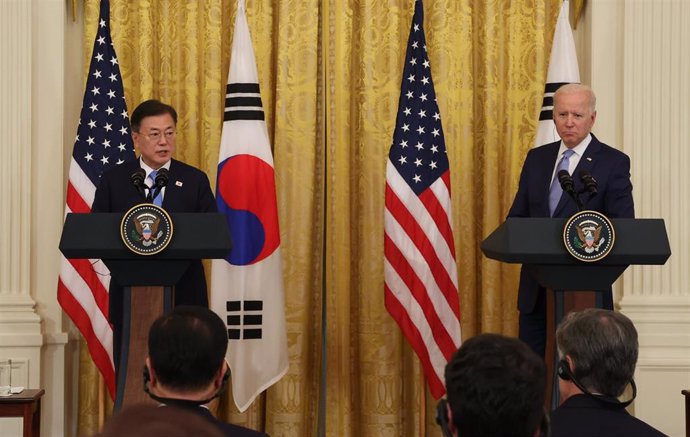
15, 153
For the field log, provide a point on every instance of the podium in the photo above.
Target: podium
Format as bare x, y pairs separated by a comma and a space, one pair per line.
537, 244
148, 280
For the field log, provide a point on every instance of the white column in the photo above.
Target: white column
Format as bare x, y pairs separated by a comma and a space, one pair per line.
49, 23
20, 325
32, 64
640, 69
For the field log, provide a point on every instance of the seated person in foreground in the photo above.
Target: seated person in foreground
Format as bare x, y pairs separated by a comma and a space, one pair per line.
598, 350
152, 421
496, 387
186, 366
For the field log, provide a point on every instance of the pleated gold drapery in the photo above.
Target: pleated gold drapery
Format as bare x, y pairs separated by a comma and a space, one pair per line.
488, 62
330, 72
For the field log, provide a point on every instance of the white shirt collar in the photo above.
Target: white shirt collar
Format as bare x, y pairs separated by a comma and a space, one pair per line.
148, 169
579, 149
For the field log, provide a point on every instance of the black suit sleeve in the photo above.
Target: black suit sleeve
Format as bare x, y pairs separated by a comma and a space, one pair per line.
520, 207
101, 200
618, 201
206, 201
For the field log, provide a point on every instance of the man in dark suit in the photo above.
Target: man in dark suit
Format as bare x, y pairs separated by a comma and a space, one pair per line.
496, 387
598, 350
186, 366
540, 195
188, 190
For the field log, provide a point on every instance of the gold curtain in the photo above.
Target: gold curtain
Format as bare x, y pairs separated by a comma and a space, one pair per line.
330, 73
179, 52
489, 61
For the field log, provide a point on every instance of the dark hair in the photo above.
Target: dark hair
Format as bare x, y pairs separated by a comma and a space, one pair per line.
603, 346
150, 108
187, 347
496, 387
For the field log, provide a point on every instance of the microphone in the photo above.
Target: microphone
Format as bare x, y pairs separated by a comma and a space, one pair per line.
566, 182
590, 184
137, 178
161, 181
568, 186
162, 178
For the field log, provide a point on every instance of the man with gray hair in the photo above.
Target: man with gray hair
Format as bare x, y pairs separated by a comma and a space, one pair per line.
598, 350
540, 194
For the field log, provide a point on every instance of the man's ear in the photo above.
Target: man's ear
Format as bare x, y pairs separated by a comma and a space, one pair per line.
153, 380
451, 424
218, 379
571, 363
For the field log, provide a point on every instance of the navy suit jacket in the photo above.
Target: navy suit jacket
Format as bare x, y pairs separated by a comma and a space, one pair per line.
584, 416
610, 168
188, 190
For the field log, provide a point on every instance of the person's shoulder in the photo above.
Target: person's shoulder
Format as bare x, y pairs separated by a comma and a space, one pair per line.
643, 429
545, 148
239, 431
181, 165
583, 415
184, 168
606, 149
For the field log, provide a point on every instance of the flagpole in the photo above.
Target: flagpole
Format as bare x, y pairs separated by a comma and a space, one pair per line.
422, 403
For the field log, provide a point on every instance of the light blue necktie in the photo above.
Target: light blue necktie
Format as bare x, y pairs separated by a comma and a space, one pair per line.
158, 201
556, 191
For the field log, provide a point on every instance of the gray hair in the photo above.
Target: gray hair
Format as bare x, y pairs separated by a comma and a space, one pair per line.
603, 347
572, 88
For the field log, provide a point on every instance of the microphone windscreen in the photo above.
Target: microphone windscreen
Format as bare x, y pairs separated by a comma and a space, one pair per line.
566, 181
588, 181
138, 177
162, 177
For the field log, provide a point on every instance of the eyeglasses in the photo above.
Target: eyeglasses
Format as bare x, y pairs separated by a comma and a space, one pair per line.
156, 136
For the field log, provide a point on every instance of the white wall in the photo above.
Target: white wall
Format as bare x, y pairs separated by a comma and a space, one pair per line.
636, 56
32, 326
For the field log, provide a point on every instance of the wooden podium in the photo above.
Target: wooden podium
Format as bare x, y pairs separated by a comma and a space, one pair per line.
537, 243
148, 280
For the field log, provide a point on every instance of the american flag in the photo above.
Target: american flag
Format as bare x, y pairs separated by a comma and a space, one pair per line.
421, 283
103, 141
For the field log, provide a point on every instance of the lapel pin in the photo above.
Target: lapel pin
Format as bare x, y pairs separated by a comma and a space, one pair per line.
178, 183
589, 159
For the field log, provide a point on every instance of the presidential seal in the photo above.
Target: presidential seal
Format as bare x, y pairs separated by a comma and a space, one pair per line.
589, 236
146, 229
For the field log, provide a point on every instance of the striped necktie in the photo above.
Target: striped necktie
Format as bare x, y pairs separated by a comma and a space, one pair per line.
158, 201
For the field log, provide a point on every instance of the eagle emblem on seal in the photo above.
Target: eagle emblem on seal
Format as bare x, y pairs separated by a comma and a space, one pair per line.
589, 236
146, 229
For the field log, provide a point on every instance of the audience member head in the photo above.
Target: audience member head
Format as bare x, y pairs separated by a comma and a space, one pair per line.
599, 348
496, 387
153, 421
187, 354
574, 112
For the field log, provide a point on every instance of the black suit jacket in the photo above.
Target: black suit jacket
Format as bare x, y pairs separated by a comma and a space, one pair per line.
188, 190
584, 416
610, 168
